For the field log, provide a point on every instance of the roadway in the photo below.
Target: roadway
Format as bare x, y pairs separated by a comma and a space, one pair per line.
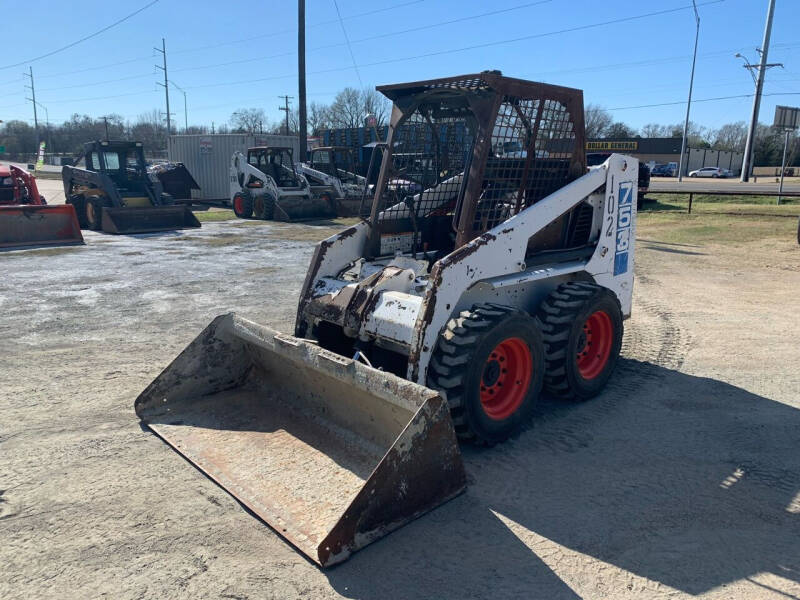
764, 185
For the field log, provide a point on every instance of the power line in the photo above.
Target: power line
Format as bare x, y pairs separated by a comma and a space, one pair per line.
349, 47
83, 39
97, 68
276, 33
703, 100
86, 85
465, 48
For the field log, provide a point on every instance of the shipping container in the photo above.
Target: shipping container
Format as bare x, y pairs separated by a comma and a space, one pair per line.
208, 157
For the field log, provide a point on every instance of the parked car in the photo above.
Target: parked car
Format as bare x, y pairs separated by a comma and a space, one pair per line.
662, 170
709, 172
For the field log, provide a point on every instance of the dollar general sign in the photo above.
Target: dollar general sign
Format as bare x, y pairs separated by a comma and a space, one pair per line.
611, 145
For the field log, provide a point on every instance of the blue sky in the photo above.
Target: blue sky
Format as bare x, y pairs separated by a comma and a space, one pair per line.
240, 53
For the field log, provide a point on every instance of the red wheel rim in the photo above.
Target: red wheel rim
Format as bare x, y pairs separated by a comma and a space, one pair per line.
238, 204
506, 378
594, 346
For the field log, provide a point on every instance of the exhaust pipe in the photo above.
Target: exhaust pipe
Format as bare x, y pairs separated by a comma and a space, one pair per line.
331, 453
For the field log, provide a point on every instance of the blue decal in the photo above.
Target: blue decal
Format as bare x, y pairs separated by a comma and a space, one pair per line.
624, 221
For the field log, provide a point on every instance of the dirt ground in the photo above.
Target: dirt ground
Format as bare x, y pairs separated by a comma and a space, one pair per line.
681, 480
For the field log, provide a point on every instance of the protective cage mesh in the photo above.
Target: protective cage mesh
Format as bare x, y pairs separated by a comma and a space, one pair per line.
532, 146
429, 157
530, 156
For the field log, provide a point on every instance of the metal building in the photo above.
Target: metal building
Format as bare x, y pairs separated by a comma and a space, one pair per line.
207, 157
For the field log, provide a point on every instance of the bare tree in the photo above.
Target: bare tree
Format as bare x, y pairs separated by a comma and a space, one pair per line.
619, 129
375, 103
654, 130
730, 136
318, 117
249, 120
347, 109
598, 120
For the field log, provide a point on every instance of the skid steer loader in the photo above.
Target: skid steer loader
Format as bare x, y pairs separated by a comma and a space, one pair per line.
333, 175
441, 317
113, 192
25, 217
266, 184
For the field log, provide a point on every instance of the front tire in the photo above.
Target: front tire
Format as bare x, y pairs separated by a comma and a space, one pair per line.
94, 214
243, 205
489, 361
582, 331
264, 206
79, 203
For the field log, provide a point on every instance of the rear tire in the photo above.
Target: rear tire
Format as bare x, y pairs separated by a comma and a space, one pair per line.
243, 205
489, 361
582, 331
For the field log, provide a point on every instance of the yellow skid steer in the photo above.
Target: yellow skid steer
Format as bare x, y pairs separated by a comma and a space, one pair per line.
494, 265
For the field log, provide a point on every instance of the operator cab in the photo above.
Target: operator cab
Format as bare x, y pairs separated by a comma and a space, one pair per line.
276, 162
336, 161
123, 162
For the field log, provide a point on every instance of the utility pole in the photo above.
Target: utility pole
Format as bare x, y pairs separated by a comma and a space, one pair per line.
163, 51
301, 77
32, 88
747, 164
105, 120
285, 108
185, 113
689, 101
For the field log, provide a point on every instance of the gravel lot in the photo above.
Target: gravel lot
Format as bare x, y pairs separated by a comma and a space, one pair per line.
681, 480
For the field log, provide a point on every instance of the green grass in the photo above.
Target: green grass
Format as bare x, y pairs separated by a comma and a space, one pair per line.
208, 216
672, 226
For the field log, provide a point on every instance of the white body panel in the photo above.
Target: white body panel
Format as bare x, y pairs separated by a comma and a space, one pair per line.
412, 311
240, 166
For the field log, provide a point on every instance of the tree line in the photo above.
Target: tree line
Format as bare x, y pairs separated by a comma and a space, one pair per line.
767, 151
347, 110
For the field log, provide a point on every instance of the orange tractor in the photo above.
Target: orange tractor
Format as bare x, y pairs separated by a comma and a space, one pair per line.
25, 217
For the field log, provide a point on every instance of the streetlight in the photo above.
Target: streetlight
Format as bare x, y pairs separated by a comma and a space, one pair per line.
185, 116
691, 85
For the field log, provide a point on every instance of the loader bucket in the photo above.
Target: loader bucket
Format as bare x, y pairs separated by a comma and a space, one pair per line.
329, 452
147, 219
39, 225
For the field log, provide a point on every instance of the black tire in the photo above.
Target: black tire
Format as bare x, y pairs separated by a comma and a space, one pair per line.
94, 214
242, 205
264, 206
567, 335
465, 361
79, 202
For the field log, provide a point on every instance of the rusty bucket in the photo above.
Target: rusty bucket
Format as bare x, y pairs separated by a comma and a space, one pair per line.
38, 225
331, 453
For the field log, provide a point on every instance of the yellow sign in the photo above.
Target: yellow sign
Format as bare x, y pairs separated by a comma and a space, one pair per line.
611, 145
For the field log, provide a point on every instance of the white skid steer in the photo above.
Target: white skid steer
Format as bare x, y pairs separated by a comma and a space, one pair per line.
266, 184
479, 280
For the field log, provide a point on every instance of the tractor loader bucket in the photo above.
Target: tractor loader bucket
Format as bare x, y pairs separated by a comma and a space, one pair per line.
144, 220
39, 225
331, 453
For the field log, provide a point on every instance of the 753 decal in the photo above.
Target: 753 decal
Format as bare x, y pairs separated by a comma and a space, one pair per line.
624, 222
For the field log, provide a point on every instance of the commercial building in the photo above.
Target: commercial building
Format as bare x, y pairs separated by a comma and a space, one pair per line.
667, 150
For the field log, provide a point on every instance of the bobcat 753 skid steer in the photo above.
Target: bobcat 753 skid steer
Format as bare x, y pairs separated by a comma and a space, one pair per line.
442, 315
